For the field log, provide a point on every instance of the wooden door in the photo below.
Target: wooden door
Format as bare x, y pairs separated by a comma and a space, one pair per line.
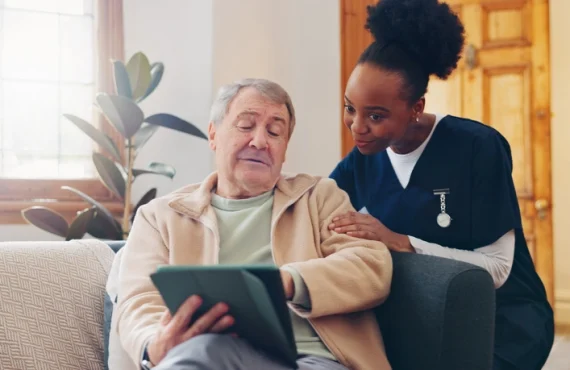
502, 80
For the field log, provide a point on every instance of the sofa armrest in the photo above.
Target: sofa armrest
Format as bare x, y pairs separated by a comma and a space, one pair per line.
440, 314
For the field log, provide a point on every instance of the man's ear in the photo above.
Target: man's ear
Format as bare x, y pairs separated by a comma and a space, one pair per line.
212, 135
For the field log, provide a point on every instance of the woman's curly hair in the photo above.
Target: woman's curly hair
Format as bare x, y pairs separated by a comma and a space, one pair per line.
418, 38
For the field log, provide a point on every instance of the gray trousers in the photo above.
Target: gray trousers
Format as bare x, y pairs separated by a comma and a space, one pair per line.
224, 352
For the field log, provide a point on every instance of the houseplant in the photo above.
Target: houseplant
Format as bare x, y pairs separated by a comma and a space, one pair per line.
134, 82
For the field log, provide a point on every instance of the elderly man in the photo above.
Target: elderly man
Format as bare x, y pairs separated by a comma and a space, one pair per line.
248, 212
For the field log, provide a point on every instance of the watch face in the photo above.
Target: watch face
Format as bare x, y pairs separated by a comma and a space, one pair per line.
443, 220
145, 363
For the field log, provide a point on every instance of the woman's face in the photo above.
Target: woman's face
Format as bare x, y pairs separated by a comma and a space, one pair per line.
375, 111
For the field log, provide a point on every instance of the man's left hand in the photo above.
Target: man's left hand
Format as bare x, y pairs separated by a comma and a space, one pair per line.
366, 226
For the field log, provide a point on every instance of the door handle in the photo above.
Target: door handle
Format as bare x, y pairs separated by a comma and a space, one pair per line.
541, 206
471, 56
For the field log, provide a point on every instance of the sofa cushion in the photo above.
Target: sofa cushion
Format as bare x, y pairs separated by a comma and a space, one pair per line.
51, 311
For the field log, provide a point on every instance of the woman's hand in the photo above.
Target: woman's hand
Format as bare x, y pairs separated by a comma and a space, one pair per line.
175, 329
367, 227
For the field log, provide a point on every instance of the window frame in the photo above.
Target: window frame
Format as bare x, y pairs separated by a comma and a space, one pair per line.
19, 194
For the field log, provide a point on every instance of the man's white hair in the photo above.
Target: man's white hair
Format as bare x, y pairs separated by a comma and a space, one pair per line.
269, 89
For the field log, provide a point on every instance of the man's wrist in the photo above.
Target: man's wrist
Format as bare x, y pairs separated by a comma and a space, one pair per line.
288, 284
290, 287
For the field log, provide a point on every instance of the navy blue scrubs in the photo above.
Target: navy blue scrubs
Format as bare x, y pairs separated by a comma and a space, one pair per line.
473, 161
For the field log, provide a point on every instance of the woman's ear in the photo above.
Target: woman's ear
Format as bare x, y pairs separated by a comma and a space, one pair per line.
212, 135
419, 106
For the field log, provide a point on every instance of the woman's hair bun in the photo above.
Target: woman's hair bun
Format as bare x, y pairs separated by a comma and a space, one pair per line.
427, 29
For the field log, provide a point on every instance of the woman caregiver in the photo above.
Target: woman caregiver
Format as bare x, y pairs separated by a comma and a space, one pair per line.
437, 184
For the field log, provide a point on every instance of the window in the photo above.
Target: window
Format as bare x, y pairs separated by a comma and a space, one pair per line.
46, 69
54, 57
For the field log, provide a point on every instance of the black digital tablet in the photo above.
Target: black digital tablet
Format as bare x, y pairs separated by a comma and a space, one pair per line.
254, 294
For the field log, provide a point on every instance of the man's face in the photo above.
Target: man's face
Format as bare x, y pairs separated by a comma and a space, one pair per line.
250, 145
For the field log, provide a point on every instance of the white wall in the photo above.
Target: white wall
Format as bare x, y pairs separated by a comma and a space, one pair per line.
297, 44
179, 34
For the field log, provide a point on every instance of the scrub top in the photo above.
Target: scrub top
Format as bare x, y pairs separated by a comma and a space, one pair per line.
471, 164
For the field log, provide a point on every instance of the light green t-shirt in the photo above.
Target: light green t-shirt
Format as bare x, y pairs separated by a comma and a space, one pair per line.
245, 238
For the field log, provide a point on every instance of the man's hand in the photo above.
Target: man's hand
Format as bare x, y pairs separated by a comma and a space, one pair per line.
366, 226
288, 284
174, 330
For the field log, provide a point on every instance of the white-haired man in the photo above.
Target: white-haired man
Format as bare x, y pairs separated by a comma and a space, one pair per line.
249, 212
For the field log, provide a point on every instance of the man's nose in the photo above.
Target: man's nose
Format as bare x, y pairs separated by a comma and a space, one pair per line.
259, 139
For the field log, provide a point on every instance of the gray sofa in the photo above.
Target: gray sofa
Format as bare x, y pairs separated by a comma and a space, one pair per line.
54, 315
440, 314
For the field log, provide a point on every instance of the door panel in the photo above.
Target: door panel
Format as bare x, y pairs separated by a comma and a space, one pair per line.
506, 102
444, 96
500, 89
354, 39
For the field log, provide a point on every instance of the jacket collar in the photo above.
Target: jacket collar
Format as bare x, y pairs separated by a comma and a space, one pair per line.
194, 200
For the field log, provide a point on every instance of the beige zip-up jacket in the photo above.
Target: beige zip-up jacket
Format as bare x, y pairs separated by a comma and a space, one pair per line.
345, 276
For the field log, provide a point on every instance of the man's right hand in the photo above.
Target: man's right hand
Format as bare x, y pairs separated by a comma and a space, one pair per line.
174, 330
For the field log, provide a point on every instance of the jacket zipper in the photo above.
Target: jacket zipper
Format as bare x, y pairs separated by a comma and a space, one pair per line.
274, 225
216, 256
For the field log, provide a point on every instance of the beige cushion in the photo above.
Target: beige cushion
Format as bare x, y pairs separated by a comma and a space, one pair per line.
118, 357
51, 304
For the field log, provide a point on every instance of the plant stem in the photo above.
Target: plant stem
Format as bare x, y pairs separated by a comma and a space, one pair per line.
127, 209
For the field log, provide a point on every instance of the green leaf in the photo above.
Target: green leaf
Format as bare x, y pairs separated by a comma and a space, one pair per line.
175, 123
156, 169
147, 197
138, 69
156, 72
122, 112
46, 219
110, 174
122, 170
100, 227
100, 138
103, 211
121, 77
78, 226
143, 135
